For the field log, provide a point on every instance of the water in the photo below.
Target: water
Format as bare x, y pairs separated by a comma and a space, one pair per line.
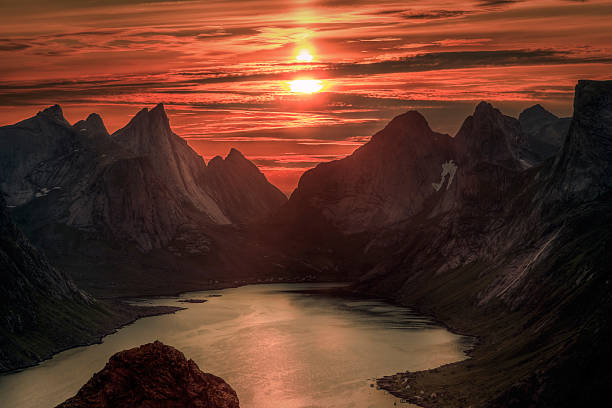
277, 347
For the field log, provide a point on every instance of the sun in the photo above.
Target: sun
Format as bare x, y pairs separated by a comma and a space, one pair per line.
304, 56
305, 85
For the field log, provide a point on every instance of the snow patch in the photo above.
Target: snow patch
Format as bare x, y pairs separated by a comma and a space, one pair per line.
449, 169
44, 191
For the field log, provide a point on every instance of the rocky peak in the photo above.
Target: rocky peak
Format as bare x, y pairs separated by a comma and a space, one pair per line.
54, 113
409, 126
147, 131
536, 114
240, 188
153, 375
489, 136
93, 125
235, 155
544, 134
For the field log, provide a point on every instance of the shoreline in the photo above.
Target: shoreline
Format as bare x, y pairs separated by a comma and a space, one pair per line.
147, 311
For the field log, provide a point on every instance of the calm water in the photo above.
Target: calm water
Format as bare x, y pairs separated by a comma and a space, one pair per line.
276, 347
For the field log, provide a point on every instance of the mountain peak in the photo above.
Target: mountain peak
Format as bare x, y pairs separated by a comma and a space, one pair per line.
93, 126
536, 114
159, 111
235, 154
411, 117
54, 112
485, 109
405, 126
490, 136
150, 121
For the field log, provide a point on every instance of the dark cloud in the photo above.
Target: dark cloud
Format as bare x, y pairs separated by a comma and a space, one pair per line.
433, 14
425, 62
7, 45
496, 3
423, 14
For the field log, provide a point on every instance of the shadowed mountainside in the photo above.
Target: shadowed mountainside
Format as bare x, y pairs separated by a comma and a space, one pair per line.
41, 309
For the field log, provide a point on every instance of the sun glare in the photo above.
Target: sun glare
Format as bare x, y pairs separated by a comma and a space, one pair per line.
304, 56
305, 85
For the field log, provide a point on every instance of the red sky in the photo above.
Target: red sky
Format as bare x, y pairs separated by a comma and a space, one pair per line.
222, 67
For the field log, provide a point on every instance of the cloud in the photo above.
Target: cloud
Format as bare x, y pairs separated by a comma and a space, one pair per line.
433, 14
8, 45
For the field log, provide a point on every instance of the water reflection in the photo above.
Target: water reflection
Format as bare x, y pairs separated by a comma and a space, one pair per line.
278, 347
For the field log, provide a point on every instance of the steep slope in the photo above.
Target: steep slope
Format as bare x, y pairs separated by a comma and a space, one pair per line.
240, 189
180, 169
153, 375
41, 310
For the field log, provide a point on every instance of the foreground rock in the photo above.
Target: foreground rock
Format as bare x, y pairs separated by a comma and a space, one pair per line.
153, 375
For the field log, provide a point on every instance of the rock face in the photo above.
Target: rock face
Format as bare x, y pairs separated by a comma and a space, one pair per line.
515, 251
104, 206
584, 168
153, 376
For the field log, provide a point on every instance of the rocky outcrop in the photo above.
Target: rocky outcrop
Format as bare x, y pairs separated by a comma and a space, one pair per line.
153, 375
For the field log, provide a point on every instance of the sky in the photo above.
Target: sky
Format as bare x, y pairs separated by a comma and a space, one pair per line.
295, 83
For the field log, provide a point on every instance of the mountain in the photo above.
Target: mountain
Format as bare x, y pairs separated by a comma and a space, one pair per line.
137, 211
41, 309
153, 375
240, 188
510, 250
544, 133
386, 180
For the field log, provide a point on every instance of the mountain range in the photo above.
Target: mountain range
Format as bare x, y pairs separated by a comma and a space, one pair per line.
501, 231
135, 208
